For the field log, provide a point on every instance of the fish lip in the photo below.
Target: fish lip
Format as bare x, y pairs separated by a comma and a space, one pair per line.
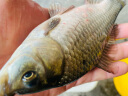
13, 94
9, 94
4, 92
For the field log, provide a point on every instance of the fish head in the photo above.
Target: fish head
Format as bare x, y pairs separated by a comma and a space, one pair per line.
23, 76
32, 69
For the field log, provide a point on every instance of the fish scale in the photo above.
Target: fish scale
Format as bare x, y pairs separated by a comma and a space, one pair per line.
90, 34
62, 49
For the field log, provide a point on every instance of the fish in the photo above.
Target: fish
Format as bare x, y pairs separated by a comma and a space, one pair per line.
62, 49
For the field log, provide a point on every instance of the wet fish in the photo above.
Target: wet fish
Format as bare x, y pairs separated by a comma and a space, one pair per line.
62, 49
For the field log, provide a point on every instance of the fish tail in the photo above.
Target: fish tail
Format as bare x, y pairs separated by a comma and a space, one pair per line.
122, 2
110, 48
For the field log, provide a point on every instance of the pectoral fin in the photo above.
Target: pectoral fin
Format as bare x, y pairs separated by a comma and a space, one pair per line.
51, 25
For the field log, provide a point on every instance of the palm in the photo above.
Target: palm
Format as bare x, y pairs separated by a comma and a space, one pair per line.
17, 19
16, 25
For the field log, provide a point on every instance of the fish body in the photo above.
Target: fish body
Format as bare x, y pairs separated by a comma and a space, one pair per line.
62, 49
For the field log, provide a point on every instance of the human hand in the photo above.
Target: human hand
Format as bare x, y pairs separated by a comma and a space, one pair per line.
17, 24
17, 19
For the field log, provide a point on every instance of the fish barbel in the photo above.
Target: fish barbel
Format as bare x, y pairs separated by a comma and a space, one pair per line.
62, 49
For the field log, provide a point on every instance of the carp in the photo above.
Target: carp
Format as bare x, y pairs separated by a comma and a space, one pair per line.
63, 48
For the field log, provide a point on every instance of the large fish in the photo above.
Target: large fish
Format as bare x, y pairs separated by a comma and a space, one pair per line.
62, 49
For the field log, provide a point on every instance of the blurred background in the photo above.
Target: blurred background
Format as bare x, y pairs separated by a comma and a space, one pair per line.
111, 87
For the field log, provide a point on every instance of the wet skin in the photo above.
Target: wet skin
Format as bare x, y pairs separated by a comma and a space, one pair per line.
16, 23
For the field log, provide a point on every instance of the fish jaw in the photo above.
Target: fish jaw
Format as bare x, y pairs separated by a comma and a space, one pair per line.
5, 87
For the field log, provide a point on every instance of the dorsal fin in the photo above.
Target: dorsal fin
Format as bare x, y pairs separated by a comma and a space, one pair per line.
92, 1
57, 8
68, 9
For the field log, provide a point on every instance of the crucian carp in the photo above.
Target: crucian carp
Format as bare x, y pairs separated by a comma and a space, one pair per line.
62, 49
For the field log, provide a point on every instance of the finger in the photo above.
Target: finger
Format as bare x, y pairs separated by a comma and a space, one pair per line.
119, 68
71, 85
57, 91
97, 74
119, 51
123, 31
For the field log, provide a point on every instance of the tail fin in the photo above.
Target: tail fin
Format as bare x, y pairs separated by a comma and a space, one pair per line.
122, 2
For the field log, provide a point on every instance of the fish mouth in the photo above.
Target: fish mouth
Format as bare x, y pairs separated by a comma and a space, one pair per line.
5, 88
3, 93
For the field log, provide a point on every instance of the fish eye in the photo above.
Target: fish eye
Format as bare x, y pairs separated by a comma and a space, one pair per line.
29, 76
